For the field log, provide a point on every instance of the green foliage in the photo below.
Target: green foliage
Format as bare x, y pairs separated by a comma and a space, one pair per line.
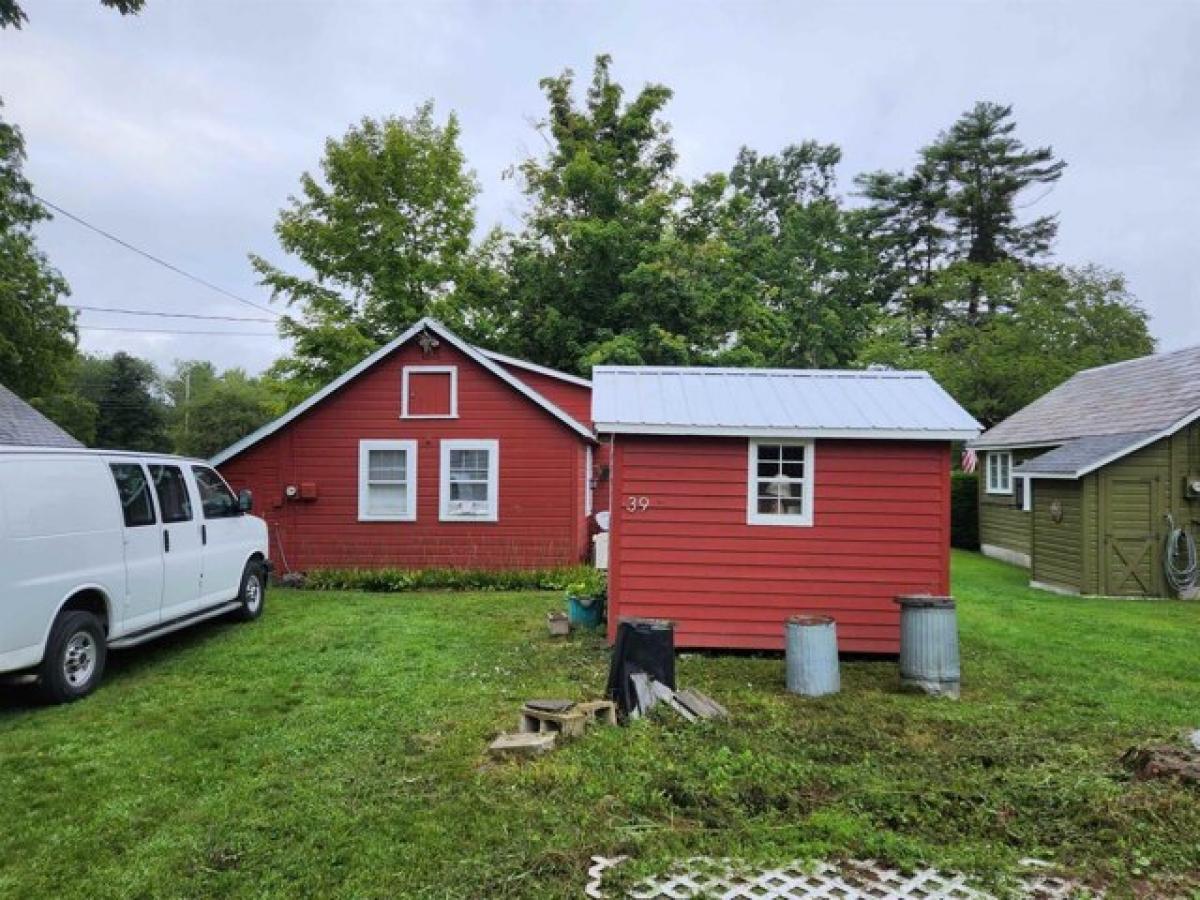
37, 336
386, 234
1047, 325
131, 412
591, 583
398, 580
964, 510
211, 411
335, 748
13, 16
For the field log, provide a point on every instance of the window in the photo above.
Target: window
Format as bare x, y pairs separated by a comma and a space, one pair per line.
387, 481
781, 483
216, 499
134, 491
999, 472
171, 488
470, 475
429, 392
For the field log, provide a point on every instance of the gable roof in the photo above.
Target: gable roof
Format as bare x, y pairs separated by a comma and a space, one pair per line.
23, 426
1154, 395
776, 402
534, 367
425, 324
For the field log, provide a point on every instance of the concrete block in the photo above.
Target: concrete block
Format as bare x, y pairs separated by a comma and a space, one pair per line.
518, 746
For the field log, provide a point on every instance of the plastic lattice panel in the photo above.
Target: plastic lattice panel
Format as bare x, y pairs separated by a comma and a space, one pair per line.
854, 880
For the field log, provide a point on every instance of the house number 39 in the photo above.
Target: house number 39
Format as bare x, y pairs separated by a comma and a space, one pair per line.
637, 504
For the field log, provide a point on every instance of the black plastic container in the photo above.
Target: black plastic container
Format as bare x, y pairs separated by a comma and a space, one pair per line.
642, 645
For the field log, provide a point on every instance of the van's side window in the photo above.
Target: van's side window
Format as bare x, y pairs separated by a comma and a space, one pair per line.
172, 493
216, 498
136, 505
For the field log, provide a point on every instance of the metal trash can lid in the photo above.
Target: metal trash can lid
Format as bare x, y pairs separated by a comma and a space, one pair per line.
925, 601
809, 620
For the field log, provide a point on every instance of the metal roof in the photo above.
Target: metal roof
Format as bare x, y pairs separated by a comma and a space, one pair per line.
23, 426
1081, 455
1158, 393
776, 402
425, 324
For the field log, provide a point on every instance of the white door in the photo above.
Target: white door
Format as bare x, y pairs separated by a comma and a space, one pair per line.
224, 535
142, 539
183, 551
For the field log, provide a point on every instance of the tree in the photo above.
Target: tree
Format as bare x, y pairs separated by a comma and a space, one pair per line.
13, 16
131, 411
1050, 324
211, 411
601, 206
37, 336
385, 234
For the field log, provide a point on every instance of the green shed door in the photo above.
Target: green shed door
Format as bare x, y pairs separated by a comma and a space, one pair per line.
1130, 540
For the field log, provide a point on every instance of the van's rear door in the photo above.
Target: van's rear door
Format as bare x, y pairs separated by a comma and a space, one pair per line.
142, 604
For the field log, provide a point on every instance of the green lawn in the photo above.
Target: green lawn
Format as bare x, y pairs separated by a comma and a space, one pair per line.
335, 748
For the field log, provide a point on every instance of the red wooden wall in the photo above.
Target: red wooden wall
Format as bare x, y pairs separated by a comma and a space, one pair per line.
881, 528
541, 517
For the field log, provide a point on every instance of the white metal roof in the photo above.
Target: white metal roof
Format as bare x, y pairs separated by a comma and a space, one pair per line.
776, 402
426, 324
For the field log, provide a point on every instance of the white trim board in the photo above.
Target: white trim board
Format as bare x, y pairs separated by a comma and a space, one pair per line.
452, 371
426, 323
534, 367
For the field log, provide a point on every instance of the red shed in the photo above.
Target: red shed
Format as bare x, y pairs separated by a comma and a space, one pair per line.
743, 496
430, 452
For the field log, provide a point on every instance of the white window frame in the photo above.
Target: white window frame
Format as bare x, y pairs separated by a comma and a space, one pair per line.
429, 370
588, 464
364, 475
493, 448
753, 516
996, 485
1026, 486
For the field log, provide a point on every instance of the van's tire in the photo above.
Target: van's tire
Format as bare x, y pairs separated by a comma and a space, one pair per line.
75, 657
253, 592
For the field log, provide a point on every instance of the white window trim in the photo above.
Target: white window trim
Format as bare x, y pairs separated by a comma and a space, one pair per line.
364, 472
994, 485
753, 516
587, 482
493, 448
429, 370
1026, 492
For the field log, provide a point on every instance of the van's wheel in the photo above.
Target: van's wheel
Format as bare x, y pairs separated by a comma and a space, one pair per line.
75, 657
253, 594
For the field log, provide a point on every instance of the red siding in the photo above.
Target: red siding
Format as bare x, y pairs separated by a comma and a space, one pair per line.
881, 528
573, 399
541, 520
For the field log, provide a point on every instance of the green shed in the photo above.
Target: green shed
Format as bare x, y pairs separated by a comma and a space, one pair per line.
1082, 486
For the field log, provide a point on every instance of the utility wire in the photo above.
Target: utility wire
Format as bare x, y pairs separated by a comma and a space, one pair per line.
147, 312
152, 257
269, 334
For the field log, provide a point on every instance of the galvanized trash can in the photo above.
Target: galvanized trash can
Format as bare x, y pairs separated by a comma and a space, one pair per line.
929, 645
812, 656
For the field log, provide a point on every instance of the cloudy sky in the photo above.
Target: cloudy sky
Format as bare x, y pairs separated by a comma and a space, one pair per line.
184, 129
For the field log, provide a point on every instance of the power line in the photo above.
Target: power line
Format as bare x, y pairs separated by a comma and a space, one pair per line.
147, 312
270, 334
152, 257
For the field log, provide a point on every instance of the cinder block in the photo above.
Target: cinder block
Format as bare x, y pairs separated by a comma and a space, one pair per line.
599, 712
522, 745
569, 724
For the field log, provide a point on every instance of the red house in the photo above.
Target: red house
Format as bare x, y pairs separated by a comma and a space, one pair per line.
741, 497
430, 452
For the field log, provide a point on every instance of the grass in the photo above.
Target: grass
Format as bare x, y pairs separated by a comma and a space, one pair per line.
335, 748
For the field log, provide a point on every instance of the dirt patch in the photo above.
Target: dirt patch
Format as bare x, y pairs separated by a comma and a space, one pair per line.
1164, 761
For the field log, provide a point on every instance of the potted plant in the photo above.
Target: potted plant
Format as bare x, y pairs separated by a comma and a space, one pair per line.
585, 599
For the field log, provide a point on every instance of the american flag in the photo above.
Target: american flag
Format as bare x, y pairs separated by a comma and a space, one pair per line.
969, 460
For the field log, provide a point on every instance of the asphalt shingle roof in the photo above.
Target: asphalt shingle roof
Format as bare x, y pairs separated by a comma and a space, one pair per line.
1082, 453
23, 426
1142, 395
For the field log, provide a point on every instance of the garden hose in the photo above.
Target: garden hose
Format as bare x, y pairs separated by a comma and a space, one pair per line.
1180, 563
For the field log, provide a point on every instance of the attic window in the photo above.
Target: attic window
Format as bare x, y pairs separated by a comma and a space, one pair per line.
999, 472
780, 483
429, 392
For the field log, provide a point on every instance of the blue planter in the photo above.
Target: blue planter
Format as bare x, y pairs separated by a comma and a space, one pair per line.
585, 612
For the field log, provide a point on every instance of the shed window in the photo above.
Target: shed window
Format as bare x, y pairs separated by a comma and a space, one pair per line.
387, 481
999, 472
781, 483
470, 481
429, 392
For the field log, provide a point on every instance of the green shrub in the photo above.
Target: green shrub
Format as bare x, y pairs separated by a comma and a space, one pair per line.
394, 580
591, 583
964, 510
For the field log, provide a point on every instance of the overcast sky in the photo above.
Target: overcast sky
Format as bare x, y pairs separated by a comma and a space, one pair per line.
184, 129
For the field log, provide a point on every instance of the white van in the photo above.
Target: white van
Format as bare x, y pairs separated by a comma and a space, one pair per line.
103, 550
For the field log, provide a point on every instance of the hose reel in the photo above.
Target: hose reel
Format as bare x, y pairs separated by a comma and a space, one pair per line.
1180, 562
